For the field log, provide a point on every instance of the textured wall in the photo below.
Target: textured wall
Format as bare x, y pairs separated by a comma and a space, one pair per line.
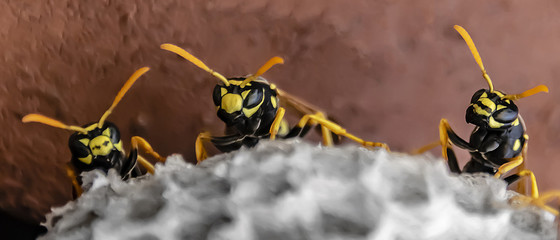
386, 70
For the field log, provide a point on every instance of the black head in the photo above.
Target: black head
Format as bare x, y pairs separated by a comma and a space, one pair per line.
237, 102
492, 110
98, 148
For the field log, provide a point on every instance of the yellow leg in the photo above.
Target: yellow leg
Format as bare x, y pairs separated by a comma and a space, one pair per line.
547, 197
533, 181
325, 133
337, 129
510, 165
201, 153
427, 147
541, 202
147, 165
444, 137
72, 175
521, 186
138, 142
276, 124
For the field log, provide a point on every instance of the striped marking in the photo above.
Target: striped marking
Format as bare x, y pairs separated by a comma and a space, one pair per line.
494, 124
516, 145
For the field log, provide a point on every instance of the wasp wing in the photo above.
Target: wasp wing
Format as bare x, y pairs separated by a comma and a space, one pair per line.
304, 108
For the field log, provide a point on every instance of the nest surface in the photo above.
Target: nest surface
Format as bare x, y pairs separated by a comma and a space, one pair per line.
294, 190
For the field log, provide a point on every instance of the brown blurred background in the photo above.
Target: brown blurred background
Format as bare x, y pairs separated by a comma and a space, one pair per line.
386, 70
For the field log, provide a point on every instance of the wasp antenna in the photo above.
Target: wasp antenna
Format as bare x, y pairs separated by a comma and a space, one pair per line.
122, 92
34, 117
475, 54
532, 91
271, 62
186, 55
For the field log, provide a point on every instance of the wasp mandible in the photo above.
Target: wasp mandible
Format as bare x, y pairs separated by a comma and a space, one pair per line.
250, 108
99, 146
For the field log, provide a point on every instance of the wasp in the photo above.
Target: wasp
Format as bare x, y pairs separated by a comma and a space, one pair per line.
98, 145
498, 143
250, 108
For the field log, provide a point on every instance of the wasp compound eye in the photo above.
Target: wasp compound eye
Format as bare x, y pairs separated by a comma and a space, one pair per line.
217, 94
79, 147
254, 98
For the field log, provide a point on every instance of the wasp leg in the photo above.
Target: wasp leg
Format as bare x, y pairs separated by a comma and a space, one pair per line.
147, 165
444, 137
452, 161
307, 109
200, 151
521, 187
533, 181
325, 133
138, 142
545, 198
510, 165
72, 175
337, 129
448, 137
426, 147
276, 123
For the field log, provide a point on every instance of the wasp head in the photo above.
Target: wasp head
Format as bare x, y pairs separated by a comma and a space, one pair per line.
99, 147
236, 102
490, 109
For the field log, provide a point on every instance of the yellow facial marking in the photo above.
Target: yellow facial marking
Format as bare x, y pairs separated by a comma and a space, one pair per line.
484, 95
86, 160
101, 146
499, 94
84, 141
508, 101
235, 82
516, 145
119, 146
500, 107
494, 124
107, 132
488, 103
223, 91
245, 93
273, 101
232, 102
250, 111
526, 136
272, 86
480, 111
